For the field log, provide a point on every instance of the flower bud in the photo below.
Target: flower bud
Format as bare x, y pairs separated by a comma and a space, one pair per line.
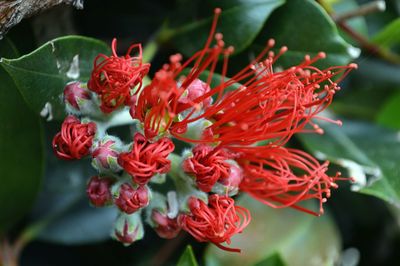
229, 185
75, 139
105, 155
164, 226
98, 191
78, 99
195, 90
129, 199
128, 228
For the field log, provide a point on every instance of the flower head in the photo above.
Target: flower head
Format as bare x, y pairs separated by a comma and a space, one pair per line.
207, 165
116, 78
216, 221
281, 177
146, 159
98, 191
74, 140
129, 199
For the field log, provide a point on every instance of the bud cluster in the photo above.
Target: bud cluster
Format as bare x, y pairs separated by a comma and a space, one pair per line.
235, 131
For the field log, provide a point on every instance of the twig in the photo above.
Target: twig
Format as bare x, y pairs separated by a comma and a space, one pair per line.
376, 6
12, 12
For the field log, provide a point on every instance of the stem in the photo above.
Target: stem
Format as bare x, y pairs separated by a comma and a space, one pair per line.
376, 6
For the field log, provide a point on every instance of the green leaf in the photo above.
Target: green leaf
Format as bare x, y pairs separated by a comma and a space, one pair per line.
240, 22
187, 258
273, 260
388, 116
371, 154
21, 156
306, 28
300, 238
388, 36
42, 75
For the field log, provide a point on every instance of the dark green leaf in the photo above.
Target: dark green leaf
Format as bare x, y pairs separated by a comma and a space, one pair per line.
21, 151
273, 260
305, 28
300, 238
389, 115
187, 258
370, 153
41, 75
240, 22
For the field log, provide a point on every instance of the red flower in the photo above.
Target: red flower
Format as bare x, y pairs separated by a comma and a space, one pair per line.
131, 199
281, 177
208, 165
113, 78
146, 159
216, 222
74, 140
268, 105
165, 227
98, 191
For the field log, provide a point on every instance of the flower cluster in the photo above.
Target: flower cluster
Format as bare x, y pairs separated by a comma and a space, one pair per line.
236, 130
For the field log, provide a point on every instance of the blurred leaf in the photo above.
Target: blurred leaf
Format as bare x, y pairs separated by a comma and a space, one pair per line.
273, 260
21, 151
42, 75
240, 22
300, 238
64, 203
388, 36
389, 115
187, 258
370, 153
306, 28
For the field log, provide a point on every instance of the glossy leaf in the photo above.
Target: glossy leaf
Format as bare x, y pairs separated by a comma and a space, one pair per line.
240, 22
388, 36
300, 238
389, 115
273, 260
187, 258
21, 149
305, 28
370, 153
42, 75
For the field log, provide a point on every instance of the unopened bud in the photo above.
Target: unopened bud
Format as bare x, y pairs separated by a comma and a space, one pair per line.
98, 191
105, 155
229, 185
164, 226
129, 199
78, 99
128, 228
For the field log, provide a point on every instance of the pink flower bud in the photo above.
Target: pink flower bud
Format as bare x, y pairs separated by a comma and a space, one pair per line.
105, 155
131, 199
164, 226
195, 90
128, 228
75, 94
229, 185
98, 191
